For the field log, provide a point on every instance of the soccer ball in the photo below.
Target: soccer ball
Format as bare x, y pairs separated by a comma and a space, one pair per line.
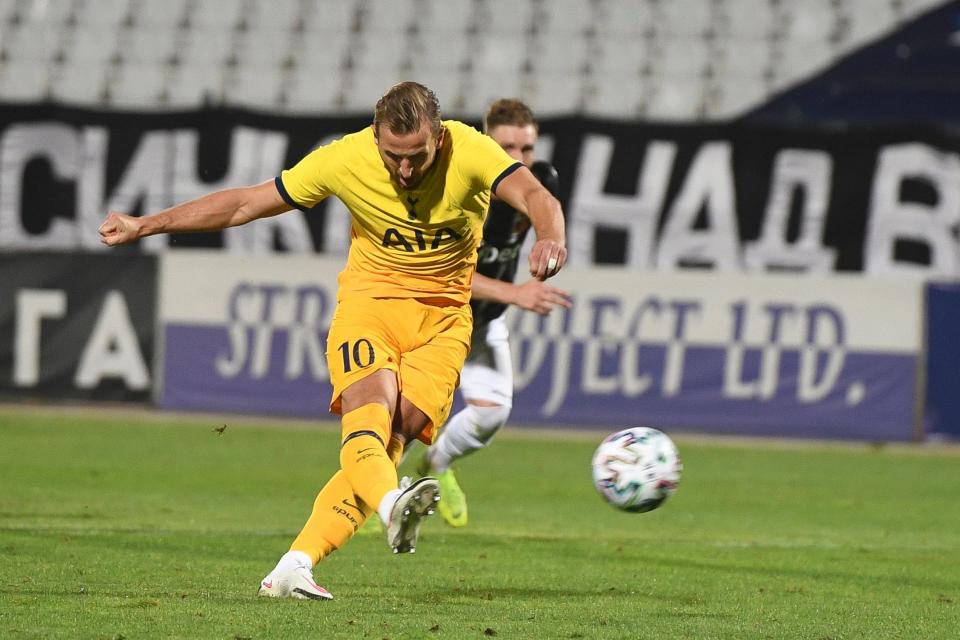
637, 469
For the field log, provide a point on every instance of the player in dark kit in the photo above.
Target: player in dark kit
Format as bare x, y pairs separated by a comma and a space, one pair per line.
486, 380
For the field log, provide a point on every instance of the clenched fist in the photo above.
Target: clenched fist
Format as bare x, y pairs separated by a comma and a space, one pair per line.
119, 228
546, 258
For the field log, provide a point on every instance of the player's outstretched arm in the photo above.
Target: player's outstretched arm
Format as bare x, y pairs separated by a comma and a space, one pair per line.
523, 192
532, 295
212, 212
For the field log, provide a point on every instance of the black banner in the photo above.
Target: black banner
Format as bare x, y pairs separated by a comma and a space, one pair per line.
733, 197
78, 326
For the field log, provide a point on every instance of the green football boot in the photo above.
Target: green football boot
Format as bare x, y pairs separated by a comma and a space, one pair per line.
453, 503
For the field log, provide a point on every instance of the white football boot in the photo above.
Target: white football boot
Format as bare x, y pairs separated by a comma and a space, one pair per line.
415, 502
295, 582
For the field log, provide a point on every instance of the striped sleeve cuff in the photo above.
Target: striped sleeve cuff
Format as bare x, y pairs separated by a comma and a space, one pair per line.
286, 196
506, 172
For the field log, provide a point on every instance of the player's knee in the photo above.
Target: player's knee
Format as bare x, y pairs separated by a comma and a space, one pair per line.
487, 420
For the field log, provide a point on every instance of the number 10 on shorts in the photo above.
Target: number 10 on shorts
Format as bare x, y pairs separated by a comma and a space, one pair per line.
361, 354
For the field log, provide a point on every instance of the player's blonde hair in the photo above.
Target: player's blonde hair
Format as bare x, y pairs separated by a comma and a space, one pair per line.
405, 106
508, 111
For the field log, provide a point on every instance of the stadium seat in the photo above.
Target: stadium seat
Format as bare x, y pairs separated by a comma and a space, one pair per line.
495, 53
46, 12
255, 86
865, 20
795, 60
323, 16
93, 44
689, 18
393, 17
273, 15
324, 53
741, 58
480, 89
552, 53
619, 54
565, 18
615, 95
224, 14
81, 82
206, 46
263, 46
161, 15
139, 86
505, 17
193, 85
753, 19
33, 41
310, 91
442, 20
732, 96
675, 98
680, 56
148, 44
24, 80
9, 9
428, 52
555, 93
810, 20
375, 49
623, 18
102, 13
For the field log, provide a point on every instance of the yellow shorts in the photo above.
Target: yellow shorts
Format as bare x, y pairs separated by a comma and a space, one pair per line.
425, 344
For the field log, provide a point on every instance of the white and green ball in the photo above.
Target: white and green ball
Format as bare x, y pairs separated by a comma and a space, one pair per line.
637, 469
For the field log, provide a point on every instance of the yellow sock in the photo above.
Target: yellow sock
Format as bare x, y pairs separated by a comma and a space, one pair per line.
337, 514
364, 455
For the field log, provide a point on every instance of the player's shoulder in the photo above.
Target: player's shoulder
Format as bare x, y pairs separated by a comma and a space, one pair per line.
461, 132
361, 141
340, 159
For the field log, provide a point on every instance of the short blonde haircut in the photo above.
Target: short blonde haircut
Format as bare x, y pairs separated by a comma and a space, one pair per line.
404, 108
508, 111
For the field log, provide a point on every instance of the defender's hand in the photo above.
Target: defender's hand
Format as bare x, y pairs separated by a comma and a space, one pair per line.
119, 228
547, 258
540, 297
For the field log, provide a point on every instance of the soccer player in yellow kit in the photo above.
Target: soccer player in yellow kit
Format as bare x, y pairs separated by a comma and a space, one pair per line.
417, 189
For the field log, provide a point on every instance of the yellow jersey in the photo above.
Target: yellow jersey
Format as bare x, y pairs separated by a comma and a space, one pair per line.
405, 243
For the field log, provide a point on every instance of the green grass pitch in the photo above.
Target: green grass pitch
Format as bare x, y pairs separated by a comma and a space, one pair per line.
147, 526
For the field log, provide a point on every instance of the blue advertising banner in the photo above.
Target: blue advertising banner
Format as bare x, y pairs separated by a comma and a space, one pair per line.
787, 356
942, 411
248, 337
775, 355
